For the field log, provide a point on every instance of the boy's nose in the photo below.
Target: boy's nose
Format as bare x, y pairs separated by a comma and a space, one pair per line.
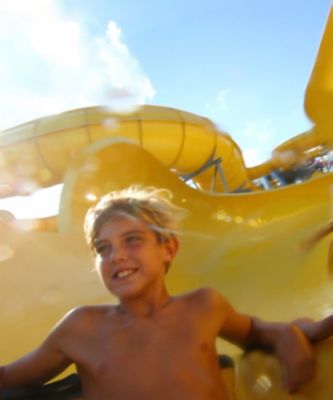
118, 254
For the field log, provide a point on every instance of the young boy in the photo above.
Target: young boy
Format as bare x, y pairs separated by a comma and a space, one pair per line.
151, 345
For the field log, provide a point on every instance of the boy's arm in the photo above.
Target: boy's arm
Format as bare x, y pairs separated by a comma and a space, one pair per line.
286, 340
39, 366
315, 331
35, 368
291, 346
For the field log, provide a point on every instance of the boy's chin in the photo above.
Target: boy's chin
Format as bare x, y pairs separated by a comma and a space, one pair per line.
126, 293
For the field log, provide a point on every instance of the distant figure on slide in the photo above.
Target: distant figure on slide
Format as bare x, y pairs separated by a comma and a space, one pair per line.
315, 238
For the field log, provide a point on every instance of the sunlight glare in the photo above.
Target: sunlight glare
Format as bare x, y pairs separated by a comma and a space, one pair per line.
41, 204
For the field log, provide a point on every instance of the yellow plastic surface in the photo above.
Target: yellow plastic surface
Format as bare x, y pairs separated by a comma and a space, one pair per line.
246, 245
259, 378
319, 95
36, 154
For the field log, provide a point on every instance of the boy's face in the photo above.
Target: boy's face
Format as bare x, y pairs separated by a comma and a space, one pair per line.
129, 258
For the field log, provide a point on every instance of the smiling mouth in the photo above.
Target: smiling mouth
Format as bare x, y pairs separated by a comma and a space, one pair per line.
124, 273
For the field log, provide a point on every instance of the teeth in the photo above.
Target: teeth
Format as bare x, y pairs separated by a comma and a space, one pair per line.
123, 274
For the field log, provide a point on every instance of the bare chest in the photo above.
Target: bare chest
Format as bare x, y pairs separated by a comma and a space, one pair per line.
170, 355
143, 346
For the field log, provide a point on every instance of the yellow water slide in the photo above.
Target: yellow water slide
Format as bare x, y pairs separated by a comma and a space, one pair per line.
247, 244
318, 105
40, 151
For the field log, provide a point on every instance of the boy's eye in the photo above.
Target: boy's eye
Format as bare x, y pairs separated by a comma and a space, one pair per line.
103, 249
133, 239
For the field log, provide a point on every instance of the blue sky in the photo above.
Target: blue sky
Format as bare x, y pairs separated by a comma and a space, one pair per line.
243, 63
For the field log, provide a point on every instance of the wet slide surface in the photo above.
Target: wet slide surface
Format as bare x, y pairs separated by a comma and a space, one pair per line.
246, 245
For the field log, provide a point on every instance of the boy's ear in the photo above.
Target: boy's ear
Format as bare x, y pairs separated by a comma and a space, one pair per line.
171, 248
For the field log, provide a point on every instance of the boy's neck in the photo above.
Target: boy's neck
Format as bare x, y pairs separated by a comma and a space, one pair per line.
144, 307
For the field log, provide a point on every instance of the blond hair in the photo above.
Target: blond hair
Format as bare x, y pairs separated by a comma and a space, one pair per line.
150, 205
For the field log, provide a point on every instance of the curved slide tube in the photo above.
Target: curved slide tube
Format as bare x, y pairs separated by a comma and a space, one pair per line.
36, 154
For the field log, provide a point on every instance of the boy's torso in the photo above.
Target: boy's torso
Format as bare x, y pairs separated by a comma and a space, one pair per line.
170, 354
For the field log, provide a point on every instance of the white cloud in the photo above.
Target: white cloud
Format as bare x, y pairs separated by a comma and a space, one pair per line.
40, 25
124, 83
259, 130
222, 99
220, 104
51, 63
257, 141
252, 156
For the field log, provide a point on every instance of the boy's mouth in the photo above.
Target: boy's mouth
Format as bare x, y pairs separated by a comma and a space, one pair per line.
124, 273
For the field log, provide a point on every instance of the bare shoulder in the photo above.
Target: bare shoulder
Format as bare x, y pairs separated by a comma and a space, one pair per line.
87, 311
206, 298
82, 317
